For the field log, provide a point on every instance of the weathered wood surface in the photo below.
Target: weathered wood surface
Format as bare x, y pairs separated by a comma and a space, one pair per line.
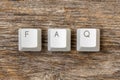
44, 14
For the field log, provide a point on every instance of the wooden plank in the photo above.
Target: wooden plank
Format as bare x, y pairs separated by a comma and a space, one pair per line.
73, 14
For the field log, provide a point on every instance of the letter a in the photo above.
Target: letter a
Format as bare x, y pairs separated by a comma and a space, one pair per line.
56, 34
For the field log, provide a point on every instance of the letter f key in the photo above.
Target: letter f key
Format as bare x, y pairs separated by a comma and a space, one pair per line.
29, 39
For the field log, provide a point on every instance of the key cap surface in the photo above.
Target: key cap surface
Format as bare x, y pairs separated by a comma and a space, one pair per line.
29, 39
59, 40
88, 40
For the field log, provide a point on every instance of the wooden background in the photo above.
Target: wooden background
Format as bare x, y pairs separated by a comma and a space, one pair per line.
44, 14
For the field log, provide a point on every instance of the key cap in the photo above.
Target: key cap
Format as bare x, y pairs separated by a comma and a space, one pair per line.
88, 40
59, 39
29, 39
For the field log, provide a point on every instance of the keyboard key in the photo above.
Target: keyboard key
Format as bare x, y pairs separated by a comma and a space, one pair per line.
29, 39
88, 40
59, 40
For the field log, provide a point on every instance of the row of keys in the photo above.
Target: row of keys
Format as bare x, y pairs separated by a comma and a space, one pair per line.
88, 40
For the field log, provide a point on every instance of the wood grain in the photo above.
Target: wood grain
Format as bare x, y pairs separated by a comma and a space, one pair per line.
73, 14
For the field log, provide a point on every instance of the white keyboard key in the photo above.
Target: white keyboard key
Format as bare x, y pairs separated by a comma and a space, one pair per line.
59, 40
88, 40
29, 39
